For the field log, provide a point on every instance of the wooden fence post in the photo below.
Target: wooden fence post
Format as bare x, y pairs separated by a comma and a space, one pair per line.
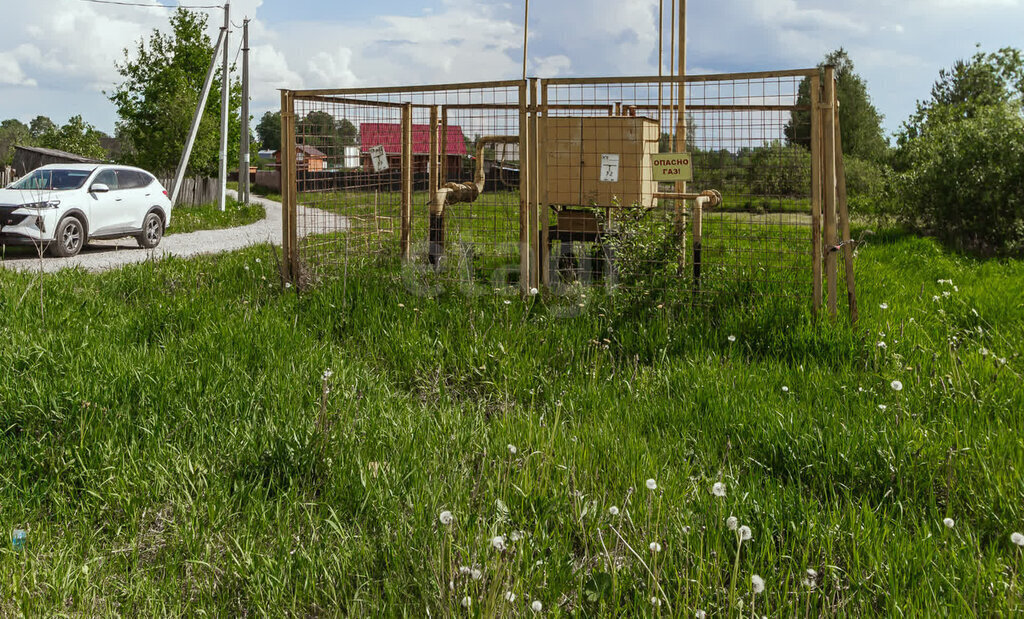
844, 222
828, 112
524, 190
405, 240
816, 180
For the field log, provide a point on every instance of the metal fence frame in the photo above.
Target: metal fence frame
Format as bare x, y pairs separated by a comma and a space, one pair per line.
829, 228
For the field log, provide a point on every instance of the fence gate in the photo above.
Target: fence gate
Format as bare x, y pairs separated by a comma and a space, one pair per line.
426, 175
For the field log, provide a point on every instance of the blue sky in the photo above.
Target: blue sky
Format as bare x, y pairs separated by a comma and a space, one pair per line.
57, 56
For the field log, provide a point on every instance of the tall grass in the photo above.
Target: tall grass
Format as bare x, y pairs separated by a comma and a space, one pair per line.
172, 442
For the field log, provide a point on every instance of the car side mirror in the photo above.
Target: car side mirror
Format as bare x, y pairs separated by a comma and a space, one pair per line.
99, 188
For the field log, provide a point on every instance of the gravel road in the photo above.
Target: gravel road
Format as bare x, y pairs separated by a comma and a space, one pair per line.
104, 255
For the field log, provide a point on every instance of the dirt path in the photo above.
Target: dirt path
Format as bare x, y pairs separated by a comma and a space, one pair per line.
104, 255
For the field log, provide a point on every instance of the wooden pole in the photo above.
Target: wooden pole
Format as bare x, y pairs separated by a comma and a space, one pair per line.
442, 162
829, 152
844, 221
405, 240
243, 146
680, 142
534, 166
225, 90
437, 241
288, 188
524, 191
661, 63
526, 35
672, 66
544, 214
816, 181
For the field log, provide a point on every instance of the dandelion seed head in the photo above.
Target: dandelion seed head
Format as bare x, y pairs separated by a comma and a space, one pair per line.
515, 536
896, 385
984, 352
785, 389
655, 547
732, 522
700, 614
1017, 538
686, 529
949, 522
498, 543
512, 449
614, 511
718, 489
652, 485
745, 533
510, 597
884, 306
731, 338
882, 407
537, 606
881, 344
467, 602
534, 292
476, 574
757, 583
465, 571
446, 517
655, 600
507, 302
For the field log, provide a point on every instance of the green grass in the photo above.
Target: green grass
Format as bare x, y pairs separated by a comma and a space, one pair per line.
209, 217
170, 442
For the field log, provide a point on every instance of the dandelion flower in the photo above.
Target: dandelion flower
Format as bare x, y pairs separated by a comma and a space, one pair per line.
467, 602
757, 583
652, 485
512, 449
655, 547
896, 385
732, 522
718, 489
498, 542
884, 306
745, 533
510, 597
445, 517
537, 606
949, 522
1017, 538
731, 338
614, 511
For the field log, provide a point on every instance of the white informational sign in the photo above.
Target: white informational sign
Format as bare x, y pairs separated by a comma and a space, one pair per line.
609, 168
379, 158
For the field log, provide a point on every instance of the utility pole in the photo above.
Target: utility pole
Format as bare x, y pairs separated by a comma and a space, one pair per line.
243, 163
225, 88
179, 175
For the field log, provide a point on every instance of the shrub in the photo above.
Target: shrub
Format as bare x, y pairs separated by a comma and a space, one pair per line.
780, 170
963, 181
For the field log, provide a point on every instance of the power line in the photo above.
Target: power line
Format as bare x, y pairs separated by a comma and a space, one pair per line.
155, 6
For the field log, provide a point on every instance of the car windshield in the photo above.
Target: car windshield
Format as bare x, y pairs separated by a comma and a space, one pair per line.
53, 180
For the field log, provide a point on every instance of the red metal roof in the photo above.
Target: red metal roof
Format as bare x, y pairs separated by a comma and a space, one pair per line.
389, 136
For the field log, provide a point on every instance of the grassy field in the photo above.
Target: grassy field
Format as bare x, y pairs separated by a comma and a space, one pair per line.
208, 217
188, 436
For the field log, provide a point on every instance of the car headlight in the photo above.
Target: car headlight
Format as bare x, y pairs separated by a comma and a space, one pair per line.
38, 205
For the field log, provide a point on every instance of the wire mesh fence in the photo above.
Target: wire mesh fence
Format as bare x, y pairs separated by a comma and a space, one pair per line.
370, 166
611, 221
569, 183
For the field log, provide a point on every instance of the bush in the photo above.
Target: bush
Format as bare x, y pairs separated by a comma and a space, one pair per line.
780, 170
963, 181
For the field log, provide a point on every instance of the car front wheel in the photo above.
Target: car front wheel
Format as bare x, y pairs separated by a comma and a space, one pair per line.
152, 231
69, 239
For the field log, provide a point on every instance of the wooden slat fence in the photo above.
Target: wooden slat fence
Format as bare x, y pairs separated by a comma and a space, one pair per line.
7, 176
194, 191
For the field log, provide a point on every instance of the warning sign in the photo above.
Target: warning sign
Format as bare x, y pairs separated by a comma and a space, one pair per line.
610, 168
379, 158
672, 167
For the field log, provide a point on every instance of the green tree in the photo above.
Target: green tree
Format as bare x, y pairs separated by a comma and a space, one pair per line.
13, 133
163, 79
969, 87
269, 131
40, 126
861, 124
77, 136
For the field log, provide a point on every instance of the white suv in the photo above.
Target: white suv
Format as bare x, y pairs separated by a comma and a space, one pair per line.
62, 207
